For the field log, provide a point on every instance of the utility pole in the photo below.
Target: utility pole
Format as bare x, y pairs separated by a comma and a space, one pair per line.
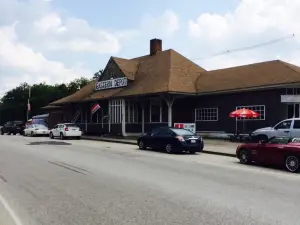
28, 103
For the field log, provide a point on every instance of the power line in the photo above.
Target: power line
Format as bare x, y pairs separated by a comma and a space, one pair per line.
248, 47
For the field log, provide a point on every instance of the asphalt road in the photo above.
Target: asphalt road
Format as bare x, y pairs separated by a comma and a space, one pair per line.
88, 182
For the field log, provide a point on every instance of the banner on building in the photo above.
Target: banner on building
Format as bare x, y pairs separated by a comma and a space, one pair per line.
95, 108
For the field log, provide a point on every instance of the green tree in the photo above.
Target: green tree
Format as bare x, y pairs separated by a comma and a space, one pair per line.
98, 74
13, 105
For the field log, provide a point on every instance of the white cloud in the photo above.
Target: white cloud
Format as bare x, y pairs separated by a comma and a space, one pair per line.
43, 32
164, 25
75, 35
252, 22
28, 65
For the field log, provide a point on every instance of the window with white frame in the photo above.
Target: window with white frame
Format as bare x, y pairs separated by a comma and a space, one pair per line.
261, 109
115, 113
206, 114
155, 111
132, 112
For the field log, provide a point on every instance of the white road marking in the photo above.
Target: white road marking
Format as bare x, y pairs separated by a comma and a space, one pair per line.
14, 217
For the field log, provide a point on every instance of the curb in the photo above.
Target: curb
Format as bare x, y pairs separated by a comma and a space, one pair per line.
129, 143
112, 141
219, 153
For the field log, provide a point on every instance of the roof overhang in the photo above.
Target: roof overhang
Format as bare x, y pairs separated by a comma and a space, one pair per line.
257, 88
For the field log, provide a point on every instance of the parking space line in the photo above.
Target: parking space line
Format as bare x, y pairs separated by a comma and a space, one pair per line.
12, 214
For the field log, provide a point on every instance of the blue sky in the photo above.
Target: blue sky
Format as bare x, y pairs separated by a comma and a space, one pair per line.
98, 12
58, 40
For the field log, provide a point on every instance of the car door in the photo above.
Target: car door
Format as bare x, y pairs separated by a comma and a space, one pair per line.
295, 130
55, 130
28, 129
283, 129
153, 139
165, 137
271, 152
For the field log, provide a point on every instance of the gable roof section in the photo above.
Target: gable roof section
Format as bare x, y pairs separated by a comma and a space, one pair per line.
168, 71
128, 67
256, 75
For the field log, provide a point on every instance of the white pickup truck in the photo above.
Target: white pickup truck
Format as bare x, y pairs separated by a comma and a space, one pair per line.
285, 128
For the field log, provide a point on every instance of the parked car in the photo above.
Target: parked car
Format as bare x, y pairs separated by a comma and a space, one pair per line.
285, 128
65, 130
277, 151
13, 127
172, 140
36, 130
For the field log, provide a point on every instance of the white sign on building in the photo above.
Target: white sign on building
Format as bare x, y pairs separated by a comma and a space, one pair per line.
188, 126
112, 83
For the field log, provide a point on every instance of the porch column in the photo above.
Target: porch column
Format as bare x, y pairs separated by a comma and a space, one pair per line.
143, 117
86, 119
123, 116
109, 113
169, 100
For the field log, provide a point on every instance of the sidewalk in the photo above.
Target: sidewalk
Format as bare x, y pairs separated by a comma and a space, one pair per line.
217, 147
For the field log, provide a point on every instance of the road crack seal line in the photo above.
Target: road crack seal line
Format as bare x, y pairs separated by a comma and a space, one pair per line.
74, 167
3, 178
63, 166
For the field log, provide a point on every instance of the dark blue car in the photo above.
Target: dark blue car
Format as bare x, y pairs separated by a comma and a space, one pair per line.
172, 140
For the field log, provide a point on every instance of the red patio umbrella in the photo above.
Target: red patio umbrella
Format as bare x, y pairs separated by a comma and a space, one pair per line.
243, 113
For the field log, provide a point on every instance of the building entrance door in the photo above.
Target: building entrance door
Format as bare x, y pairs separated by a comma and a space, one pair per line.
293, 110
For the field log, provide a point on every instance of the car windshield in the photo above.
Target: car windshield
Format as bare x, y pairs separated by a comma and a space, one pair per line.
71, 125
280, 140
40, 126
183, 132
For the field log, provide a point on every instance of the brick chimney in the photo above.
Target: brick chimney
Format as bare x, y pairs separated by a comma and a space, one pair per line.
155, 46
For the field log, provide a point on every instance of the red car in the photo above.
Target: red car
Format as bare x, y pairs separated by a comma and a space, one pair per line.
277, 151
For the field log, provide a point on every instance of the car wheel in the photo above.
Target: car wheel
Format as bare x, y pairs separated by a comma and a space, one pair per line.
292, 163
32, 134
8, 133
61, 136
142, 145
51, 135
168, 148
244, 156
192, 152
2, 132
14, 133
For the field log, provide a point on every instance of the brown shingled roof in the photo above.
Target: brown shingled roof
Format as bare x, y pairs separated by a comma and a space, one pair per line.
128, 67
249, 76
51, 107
168, 71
